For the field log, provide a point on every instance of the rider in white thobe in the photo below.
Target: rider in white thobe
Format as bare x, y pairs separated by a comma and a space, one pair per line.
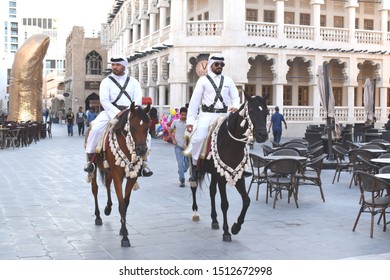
204, 95
109, 92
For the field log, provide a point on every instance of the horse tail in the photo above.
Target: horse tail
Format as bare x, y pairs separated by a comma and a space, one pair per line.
102, 175
201, 177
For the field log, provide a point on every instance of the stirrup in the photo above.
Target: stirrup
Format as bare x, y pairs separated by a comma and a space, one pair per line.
89, 167
146, 172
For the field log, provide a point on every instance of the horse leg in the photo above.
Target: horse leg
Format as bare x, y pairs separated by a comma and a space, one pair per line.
122, 207
195, 215
240, 186
224, 206
107, 210
98, 219
213, 192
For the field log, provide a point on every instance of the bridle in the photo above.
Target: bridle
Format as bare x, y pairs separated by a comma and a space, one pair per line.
133, 164
248, 135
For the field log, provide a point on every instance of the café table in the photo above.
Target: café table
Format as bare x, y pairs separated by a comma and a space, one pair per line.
274, 157
375, 151
385, 176
2, 138
382, 161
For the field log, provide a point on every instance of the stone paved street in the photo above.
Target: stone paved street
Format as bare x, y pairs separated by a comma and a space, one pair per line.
47, 212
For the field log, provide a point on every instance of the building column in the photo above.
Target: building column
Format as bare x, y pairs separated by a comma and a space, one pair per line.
143, 28
316, 18
280, 18
383, 104
278, 89
351, 5
384, 20
351, 105
152, 93
178, 94
161, 98
163, 17
135, 33
152, 22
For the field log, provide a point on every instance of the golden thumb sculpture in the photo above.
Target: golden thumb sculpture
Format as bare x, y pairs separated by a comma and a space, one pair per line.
25, 98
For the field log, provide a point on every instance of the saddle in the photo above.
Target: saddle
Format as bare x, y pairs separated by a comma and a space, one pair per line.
207, 143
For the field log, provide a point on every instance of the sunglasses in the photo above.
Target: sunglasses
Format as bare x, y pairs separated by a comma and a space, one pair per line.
217, 64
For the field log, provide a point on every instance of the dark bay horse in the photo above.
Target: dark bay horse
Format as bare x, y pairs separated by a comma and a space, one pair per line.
122, 160
228, 157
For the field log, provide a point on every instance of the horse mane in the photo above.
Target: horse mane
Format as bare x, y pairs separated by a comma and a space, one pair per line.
121, 121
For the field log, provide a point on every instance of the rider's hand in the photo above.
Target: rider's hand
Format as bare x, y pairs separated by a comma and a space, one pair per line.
233, 109
189, 128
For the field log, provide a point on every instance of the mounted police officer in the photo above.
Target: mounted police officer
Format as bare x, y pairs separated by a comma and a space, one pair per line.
217, 94
116, 93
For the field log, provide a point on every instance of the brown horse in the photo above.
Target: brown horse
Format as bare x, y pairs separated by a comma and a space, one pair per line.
122, 159
228, 157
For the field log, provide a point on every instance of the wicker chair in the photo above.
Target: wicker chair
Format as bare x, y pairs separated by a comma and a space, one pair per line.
281, 176
369, 186
258, 175
343, 163
311, 174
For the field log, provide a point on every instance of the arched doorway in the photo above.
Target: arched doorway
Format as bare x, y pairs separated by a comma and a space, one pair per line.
93, 101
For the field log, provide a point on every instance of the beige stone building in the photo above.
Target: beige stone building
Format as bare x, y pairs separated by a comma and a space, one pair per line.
273, 46
86, 62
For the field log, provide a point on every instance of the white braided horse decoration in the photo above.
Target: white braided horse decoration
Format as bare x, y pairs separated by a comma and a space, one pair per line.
123, 160
228, 158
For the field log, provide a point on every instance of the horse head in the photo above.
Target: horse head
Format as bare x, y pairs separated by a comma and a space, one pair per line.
135, 121
258, 112
138, 120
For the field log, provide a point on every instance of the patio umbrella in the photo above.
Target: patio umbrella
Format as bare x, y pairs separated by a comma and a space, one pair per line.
324, 88
327, 101
368, 102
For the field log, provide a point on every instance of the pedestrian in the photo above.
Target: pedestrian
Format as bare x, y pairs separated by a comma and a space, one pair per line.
217, 94
276, 123
91, 115
80, 120
177, 134
117, 91
69, 119
46, 114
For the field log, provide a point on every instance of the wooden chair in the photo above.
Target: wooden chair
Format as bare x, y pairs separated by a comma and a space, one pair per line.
369, 186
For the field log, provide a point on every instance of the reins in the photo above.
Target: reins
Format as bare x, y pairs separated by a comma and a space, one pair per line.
248, 139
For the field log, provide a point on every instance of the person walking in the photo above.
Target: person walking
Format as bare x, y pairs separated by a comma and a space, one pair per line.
217, 94
69, 119
177, 134
91, 115
80, 120
276, 123
117, 91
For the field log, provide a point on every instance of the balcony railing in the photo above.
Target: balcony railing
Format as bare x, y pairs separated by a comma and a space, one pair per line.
300, 32
334, 34
306, 114
204, 28
368, 37
261, 29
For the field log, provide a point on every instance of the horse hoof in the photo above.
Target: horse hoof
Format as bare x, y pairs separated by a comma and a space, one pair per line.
236, 229
98, 222
195, 217
215, 225
107, 211
125, 243
227, 237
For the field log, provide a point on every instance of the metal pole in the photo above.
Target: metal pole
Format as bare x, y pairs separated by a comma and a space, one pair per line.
328, 119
